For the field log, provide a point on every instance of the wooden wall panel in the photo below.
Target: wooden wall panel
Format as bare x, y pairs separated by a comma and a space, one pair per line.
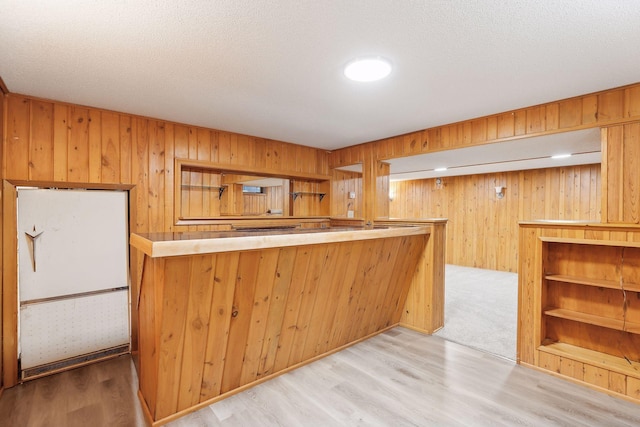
483, 230
621, 178
16, 142
343, 183
58, 143
607, 108
52, 141
2, 122
594, 110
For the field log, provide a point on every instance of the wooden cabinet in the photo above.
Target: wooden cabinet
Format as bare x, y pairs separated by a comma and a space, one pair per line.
579, 304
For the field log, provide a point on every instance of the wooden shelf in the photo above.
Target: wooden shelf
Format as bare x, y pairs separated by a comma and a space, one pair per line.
591, 242
220, 190
592, 319
610, 284
296, 194
594, 358
585, 307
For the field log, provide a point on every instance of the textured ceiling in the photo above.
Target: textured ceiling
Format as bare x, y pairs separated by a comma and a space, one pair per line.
274, 68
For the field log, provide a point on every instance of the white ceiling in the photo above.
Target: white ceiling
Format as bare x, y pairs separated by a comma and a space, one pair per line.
274, 68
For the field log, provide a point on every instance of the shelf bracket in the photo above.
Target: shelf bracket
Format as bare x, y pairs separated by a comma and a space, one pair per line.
220, 191
322, 196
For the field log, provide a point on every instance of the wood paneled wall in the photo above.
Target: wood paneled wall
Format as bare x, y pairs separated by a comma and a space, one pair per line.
601, 109
58, 143
343, 183
483, 230
594, 110
621, 174
260, 203
309, 200
51, 141
2, 122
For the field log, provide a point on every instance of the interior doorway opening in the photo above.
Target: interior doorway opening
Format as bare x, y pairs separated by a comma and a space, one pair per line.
481, 308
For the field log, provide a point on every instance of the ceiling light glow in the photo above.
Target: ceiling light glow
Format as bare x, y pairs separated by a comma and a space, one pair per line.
367, 69
560, 156
440, 169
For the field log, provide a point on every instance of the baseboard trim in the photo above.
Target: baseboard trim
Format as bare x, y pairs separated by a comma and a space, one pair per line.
71, 363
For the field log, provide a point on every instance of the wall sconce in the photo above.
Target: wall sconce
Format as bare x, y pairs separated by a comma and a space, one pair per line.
392, 195
499, 192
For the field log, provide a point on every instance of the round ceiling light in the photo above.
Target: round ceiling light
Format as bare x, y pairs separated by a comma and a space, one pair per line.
367, 69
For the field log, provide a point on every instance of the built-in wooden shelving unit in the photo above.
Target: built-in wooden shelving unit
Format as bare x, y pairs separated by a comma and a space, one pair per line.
579, 303
589, 296
597, 359
589, 309
610, 284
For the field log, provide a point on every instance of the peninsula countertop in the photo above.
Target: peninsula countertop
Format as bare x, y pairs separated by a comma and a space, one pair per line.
158, 245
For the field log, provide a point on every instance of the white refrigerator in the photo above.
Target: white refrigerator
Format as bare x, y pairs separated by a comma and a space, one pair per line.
72, 277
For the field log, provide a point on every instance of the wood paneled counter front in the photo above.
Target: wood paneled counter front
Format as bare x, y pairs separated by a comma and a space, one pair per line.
221, 311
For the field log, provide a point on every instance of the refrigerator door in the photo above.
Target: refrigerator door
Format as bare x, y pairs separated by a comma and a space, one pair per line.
66, 328
73, 281
71, 242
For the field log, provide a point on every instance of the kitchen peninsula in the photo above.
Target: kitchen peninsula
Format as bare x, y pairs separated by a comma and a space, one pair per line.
221, 311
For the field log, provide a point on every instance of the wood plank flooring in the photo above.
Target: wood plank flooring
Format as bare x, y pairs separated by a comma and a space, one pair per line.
398, 378
101, 394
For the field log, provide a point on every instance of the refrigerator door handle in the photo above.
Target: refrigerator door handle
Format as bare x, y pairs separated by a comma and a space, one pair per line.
33, 235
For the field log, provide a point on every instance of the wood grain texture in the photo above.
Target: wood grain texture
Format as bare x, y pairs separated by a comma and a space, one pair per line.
342, 184
170, 244
606, 108
577, 311
100, 394
399, 377
209, 190
621, 177
267, 295
2, 123
610, 108
9, 292
491, 239
59, 144
74, 136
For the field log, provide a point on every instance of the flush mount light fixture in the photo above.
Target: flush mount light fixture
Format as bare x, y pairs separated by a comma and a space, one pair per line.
367, 69
440, 169
560, 156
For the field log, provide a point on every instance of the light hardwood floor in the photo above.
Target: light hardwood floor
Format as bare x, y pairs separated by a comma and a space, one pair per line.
398, 378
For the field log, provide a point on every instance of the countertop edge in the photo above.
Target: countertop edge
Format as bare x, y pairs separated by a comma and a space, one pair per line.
244, 243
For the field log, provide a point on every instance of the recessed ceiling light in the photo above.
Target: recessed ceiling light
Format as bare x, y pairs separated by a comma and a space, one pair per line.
560, 156
440, 169
368, 69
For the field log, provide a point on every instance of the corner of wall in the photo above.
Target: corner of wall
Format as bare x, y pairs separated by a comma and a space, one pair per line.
3, 96
3, 87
